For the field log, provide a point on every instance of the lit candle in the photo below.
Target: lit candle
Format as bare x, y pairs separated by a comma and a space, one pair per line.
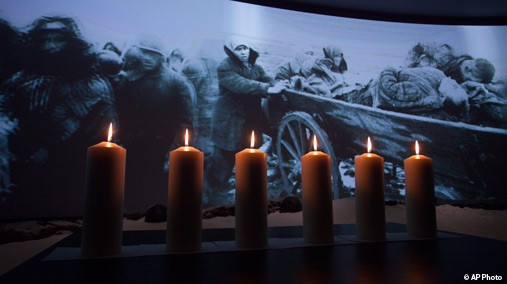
251, 198
103, 215
317, 196
370, 210
184, 199
420, 196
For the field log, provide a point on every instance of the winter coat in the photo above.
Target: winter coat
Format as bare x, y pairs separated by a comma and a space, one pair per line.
453, 68
423, 91
155, 108
319, 79
206, 93
57, 114
430, 54
238, 109
202, 74
57, 119
488, 103
289, 68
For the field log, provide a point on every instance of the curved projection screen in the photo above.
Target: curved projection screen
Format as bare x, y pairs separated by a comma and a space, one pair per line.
153, 69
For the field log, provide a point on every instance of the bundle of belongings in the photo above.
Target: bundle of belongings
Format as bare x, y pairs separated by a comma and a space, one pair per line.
316, 77
422, 91
427, 91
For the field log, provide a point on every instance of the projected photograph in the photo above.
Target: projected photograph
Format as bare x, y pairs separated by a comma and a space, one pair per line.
222, 69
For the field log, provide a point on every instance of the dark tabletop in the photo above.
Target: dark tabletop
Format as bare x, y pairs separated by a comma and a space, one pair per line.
444, 260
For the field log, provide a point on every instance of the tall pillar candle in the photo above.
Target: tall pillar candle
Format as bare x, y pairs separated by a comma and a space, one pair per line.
317, 197
184, 199
420, 196
103, 215
251, 198
370, 205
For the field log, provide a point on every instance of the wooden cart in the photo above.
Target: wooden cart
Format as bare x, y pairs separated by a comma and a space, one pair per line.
470, 159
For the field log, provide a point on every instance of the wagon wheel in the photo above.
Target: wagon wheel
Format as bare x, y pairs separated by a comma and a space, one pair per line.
293, 141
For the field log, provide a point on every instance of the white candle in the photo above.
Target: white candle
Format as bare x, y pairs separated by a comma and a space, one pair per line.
103, 215
184, 199
370, 208
420, 196
317, 197
251, 198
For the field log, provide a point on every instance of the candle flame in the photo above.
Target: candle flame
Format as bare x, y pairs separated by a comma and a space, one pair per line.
416, 148
369, 144
252, 140
110, 133
314, 143
186, 137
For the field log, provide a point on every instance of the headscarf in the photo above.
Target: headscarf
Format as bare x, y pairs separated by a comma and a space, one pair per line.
55, 23
145, 55
332, 51
234, 42
150, 43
